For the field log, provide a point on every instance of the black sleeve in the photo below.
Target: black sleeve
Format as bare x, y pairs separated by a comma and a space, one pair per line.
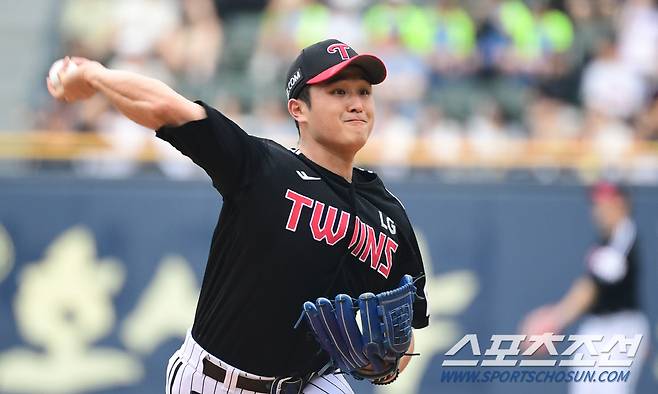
421, 316
226, 152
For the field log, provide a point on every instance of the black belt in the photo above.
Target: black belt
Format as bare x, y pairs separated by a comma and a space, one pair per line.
279, 385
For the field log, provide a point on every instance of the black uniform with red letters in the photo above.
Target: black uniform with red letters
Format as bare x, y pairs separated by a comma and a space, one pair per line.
289, 231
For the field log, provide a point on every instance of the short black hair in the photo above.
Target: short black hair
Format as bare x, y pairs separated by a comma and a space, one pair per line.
305, 96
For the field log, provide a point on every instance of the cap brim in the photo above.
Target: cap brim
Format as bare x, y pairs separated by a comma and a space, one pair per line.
374, 68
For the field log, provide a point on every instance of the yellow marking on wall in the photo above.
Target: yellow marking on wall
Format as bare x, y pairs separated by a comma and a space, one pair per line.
165, 309
63, 306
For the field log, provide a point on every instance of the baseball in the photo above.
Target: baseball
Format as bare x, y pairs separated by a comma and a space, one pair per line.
55, 69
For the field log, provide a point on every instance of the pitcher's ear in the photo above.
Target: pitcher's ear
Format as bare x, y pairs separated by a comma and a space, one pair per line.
297, 109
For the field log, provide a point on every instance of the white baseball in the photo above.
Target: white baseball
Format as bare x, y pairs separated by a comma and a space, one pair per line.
55, 69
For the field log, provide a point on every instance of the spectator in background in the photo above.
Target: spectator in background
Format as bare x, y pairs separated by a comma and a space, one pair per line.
554, 30
491, 38
333, 18
453, 60
522, 46
289, 25
613, 93
403, 34
136, 36
453, 53
409, 23
609, 141
85, 28
488, 134
607, 293
407, 80
395, 134
274, 51
638, 37
193, 48
346, 22
589, 23
645, 163
648, 120
272, 121
443, 54
445, 136
610, 87
305, 21
537, 33
230, 8
550, 119
240, 22
136, 47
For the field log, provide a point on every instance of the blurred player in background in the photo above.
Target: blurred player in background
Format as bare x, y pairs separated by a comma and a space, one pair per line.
606, 293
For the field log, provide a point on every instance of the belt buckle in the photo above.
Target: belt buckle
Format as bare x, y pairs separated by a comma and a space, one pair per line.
287, 385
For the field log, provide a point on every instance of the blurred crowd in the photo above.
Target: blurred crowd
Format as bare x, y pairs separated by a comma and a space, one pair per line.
485, 71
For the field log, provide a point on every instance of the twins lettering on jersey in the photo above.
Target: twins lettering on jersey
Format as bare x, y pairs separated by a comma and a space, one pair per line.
364, 242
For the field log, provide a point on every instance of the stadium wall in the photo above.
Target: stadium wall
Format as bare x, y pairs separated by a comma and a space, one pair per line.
98, 279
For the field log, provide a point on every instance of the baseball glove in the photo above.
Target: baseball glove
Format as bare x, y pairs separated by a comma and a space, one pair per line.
373, 352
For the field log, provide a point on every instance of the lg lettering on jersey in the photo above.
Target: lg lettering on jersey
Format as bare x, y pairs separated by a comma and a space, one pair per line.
389, 224
364, 242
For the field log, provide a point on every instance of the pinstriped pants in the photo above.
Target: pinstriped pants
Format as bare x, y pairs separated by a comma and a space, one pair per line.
627, 323
185, 375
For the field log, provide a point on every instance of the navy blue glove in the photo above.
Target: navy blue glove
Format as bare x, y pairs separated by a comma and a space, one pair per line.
374, 351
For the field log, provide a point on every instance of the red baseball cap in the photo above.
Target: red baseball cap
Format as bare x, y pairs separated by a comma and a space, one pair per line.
602, 191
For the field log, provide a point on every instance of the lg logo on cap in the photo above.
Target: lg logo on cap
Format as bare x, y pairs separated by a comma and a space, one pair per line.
340, 48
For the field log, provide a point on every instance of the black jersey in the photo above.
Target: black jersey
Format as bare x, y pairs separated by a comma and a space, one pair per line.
289, 231
613, 267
